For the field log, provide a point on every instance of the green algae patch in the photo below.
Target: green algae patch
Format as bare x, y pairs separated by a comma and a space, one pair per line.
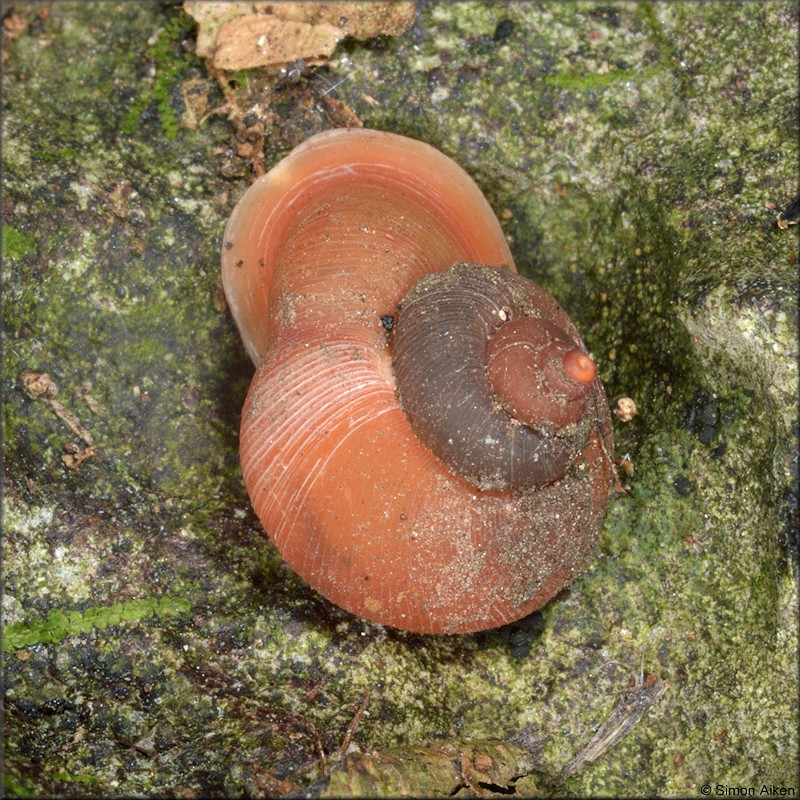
15, 243
735, 336
595, 80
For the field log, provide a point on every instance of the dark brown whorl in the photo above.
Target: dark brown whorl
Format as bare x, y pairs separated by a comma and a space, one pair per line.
445, 324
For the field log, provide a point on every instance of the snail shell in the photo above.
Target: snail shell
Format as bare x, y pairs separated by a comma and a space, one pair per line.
425, 439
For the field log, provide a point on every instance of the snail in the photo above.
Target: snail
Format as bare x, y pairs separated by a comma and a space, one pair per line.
425, 440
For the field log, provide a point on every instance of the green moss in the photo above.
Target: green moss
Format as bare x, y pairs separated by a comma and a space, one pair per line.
59, 624
16, 788
170, 62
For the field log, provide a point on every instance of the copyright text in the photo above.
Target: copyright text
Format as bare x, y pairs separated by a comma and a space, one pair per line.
765, 790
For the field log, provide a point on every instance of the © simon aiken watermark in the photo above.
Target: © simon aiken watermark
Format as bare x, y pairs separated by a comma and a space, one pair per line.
764, 790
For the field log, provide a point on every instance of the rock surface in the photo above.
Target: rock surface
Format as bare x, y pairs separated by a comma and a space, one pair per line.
154, 643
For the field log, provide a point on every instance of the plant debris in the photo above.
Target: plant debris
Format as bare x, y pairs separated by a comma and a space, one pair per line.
40, 386
790, 215
236, 36
619, 723
438, 768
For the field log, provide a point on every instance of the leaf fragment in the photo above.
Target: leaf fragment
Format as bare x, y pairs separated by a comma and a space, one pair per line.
236, 35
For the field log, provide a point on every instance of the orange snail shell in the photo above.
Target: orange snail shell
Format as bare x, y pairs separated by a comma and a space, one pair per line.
317, 254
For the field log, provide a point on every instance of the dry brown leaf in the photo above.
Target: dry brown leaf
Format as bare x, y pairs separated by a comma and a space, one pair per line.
259, 40
76, 455
359, 19
210, 17
245, 35
339, 114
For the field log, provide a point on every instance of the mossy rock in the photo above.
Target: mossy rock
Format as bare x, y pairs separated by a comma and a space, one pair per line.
155, 643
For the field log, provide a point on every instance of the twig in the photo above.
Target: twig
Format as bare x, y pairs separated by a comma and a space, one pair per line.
40, 386
351, 728
145, 751
323, 761
618, 725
